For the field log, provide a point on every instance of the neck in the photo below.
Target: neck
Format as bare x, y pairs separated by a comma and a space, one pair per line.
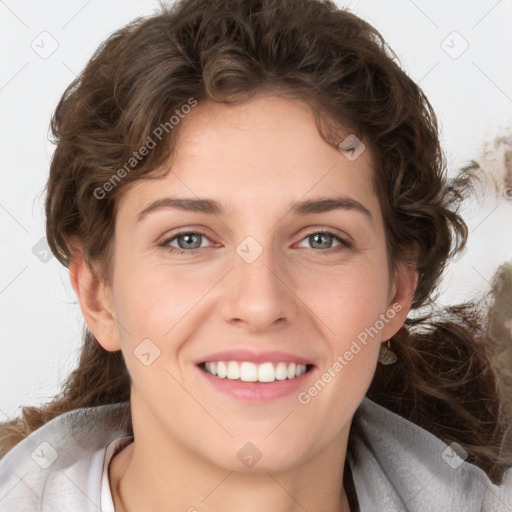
140, 482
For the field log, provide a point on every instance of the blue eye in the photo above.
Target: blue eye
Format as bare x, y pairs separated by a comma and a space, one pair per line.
189, 242
325, 239
189, 245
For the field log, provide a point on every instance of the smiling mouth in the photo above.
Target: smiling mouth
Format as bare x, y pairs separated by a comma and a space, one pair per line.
246, 371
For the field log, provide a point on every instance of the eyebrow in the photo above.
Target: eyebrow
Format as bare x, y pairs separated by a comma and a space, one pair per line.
211, 207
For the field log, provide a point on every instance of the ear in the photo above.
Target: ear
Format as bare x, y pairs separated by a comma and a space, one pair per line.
95, 298
401, 296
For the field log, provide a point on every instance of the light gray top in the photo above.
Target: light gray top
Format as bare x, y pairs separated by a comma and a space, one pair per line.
59, 467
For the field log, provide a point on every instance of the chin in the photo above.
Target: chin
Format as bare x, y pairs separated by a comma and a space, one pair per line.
259, 457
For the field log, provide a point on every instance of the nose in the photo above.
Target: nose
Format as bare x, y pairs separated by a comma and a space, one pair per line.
259, 295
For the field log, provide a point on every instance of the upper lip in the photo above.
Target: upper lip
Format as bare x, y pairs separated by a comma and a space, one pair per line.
241, 355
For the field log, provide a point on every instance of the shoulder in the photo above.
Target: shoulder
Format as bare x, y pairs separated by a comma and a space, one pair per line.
398, 465
57, 465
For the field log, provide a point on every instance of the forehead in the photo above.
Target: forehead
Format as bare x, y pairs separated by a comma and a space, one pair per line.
267, 148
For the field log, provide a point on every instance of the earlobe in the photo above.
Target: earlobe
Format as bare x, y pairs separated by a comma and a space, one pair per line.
95, 298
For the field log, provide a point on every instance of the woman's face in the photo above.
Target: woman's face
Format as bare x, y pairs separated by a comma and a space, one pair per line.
261, 254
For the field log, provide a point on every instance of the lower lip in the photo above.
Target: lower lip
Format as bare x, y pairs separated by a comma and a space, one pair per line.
257, 391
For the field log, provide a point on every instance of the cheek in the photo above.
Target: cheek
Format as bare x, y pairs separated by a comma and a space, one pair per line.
160, 303
346, 299
154, 309
349, 306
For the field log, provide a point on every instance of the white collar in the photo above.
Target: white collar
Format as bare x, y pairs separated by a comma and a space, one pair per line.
107, 502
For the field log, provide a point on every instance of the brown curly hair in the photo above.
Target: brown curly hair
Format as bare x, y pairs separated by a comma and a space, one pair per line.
340, 65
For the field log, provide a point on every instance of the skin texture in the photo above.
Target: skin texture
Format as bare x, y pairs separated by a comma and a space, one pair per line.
256, 159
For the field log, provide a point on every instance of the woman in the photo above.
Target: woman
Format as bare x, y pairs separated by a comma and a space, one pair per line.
250, 197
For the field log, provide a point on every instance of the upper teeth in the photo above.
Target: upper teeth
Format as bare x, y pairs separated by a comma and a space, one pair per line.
251, 372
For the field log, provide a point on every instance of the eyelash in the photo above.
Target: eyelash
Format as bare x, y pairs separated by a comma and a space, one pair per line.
344, 244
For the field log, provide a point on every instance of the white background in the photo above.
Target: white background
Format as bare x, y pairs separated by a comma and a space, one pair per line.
40, 327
